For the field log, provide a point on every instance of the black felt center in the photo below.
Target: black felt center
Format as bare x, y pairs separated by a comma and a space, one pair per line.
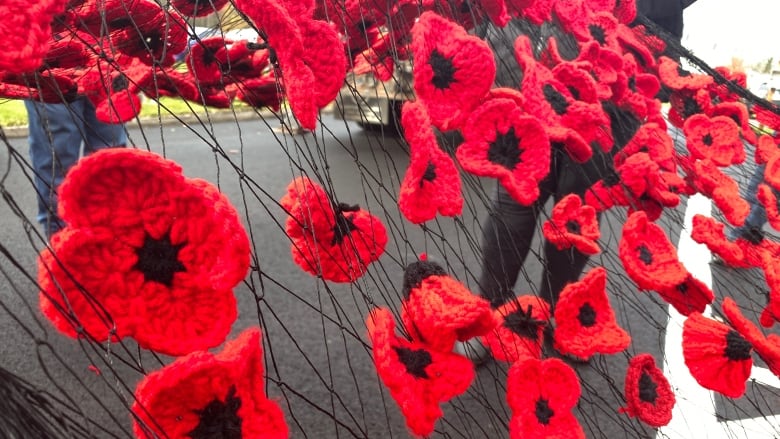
573, 226
737, 348
707, 139
219, 420
690, 107
543, 411
647, 388
443, 70
158, 260
416, 272
632, 83
682, 288
344, 223
556, 100
505, 150
415, 361
522, 323
598, 34
429, 174
587, 315
645, 255
120, 83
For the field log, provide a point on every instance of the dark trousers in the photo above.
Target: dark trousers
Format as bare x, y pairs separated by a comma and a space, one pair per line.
510, 227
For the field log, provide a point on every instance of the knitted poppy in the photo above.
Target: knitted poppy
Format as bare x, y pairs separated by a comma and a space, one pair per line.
675, 77
768, 197
25, 33
600, 27
653, 140
203, 394
453, 70
94, 16
636, 90
536, 11
169, 82
308, 208
262, 91
431, 184
575, 76
768, 348
216, 96
766, 149
722, 189
198, 8
325, 55
648, 393
519, 330
690, 295
146, 251
541, 395
500, 141
737, 112
154, 35
606, 193
717, 356
646, 186
114, 90
573, 224
205, 58
710, 232
716, 139
38, 86
604, 65
683, 104
419, 378
585, 322
437, 310
648, 256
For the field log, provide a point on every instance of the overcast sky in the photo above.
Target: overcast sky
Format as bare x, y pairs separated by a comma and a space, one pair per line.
716, 30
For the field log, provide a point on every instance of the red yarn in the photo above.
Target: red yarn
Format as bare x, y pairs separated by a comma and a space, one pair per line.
453, 70
710, 232
717, 356
653, 140
432, 184
648, 393
768, 197
690, 295
541, 395
585, 322
573, 224
154, 35
766, 149
419, 379
648, 256
716, 139
198, 8
722, 189
673, 76
500, 141
203, 392
145, 249
768, 348
519, 330
25, 33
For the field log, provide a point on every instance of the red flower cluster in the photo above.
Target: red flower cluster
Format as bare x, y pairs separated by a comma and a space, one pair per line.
573, 224
147, 253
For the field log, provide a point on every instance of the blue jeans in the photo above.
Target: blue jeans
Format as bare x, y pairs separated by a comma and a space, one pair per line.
56, 133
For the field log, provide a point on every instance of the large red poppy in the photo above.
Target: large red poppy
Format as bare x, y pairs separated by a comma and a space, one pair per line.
453, 70
519, 330
502, 142
431, 184
768, 348
585, 322
715, 139
648, 256
541, 395
648, 393
573, 224
717, 356
202, 395
419, 378
147, 251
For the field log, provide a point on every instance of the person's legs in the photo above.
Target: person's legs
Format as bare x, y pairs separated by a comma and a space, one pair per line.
55, 136
100, 135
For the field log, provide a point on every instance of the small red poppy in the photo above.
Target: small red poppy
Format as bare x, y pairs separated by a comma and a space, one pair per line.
648, 256
438, 310
673, 76
146, 250
717, 356
419, 378
203, 393
690, 295
648, 393
722, 189
262, 91
208, 57
573, 224
710, 232
646, 186
604, 67
114, 90
154, 35
519, 329
606, 193
738, 112
585, 322
766, 149
500, 141
716, 139
453, 70
653, 140
768, 348
432, 184
768, 198
541, 395
198, 8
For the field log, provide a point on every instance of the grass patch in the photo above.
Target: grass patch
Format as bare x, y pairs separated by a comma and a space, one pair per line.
12, 113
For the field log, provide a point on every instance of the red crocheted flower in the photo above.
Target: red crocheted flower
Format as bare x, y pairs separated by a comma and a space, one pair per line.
683, 105
145, 249
198, 8
673, 76
635, 90
215, 60
437, 310
154, 35
114, 89
541, 395
262, 91
573, 224
648, 256
716, 139
500, 141
690, 295
768, 348
202, 395
710, 232
766, 149
25, 33
419, 378
717, 356
169, 82
585, 322
38, 86
432, 183
737, 112
453, 70
648, 393
652, 139
768, 198
519, 329
722, 189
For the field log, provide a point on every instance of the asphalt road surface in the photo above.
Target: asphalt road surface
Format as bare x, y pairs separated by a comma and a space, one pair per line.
317, 357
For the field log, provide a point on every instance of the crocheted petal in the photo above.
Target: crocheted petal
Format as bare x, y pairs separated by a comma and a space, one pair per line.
769, 199
325, 55
691, 295
767, 348
648, 392
648, 256
198, 8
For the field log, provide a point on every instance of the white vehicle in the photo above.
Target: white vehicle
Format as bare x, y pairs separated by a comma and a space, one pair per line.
372, 103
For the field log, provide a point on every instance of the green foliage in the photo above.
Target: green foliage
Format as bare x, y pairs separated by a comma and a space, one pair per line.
12, 113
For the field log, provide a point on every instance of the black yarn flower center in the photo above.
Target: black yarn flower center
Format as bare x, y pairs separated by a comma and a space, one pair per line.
344, 224
737, 348
587, 315
690, 107
430, 173
219, 420
707, 139
682, 72
505, 150
753, 235
523, 323
645, 255
556, 100
120, 83
416, 272
632, 83
415, 361
158, 260
543, 411
611, 178
443, 70
598, 34
573, 226
647, 388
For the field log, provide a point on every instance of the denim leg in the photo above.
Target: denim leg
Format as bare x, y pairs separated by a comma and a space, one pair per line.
99, 134
55, 136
